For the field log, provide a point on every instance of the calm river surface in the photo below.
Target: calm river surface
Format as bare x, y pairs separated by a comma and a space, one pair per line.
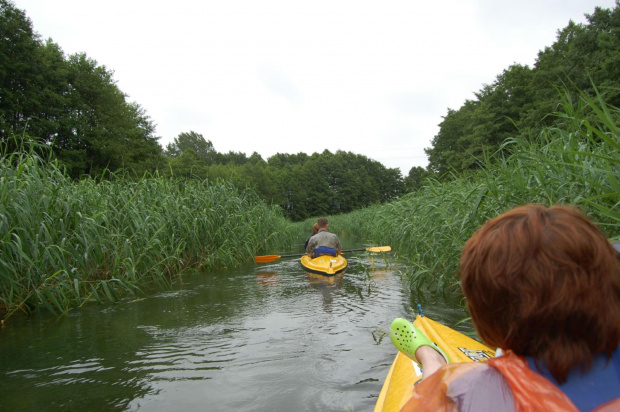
264, 337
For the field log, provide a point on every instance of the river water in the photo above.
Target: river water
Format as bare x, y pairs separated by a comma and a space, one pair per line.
264, 337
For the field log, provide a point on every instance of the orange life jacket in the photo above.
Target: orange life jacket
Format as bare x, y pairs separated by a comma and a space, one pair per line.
531, 391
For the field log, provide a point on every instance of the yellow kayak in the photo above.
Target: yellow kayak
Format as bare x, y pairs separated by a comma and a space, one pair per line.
400, 380
324, 265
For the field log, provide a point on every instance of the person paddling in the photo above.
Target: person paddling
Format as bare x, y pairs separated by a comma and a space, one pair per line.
324, 242
543, 285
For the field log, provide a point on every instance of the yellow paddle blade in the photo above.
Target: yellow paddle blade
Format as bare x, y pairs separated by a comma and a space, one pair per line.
379, 249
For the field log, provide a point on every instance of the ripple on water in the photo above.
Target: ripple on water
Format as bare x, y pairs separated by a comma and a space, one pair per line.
262, 338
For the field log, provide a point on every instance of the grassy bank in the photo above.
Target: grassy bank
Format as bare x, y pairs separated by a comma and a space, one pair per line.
577, 163
66, 242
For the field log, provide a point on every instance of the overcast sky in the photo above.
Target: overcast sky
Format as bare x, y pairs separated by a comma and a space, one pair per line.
373, 77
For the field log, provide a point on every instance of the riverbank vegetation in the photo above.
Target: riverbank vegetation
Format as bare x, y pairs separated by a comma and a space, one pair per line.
65, 242
74, 106
576, 162
92, 207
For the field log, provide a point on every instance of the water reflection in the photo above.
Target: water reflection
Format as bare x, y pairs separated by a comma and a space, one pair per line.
267, 279
263, 338
325, 285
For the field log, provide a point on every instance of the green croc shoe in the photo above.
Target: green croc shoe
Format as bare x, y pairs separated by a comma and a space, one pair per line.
407, 339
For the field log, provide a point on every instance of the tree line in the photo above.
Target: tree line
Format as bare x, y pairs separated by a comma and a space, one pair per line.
72, 107
303, 185
518, 101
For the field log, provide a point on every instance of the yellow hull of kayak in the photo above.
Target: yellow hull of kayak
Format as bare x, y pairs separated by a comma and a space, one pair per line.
399, 383
325, 265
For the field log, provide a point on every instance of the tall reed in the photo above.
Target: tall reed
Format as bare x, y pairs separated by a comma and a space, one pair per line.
65, 242
576, 163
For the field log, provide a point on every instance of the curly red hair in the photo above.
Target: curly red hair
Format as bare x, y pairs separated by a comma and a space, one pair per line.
544, 282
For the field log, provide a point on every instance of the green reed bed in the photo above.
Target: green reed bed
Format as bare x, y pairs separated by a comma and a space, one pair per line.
66, 242
576, 163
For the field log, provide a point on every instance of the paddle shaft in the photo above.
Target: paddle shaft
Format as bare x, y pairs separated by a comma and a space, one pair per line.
271, 258
304, 254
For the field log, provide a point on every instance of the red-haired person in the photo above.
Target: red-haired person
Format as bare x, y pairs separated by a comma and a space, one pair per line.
542, 284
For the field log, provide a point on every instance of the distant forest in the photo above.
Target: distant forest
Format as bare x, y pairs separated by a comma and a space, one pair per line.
72, 108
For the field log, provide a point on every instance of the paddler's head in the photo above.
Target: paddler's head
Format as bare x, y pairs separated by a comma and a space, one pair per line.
544, 282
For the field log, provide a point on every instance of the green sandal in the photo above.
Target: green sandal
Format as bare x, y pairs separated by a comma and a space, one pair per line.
407, 339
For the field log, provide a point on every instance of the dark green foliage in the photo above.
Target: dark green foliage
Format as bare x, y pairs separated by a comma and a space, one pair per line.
19, 69
71, 104
415, 179
302, 185
519, 99
328, 184
185, 141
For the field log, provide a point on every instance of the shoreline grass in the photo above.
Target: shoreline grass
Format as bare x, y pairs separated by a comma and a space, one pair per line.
577, 163
67, 242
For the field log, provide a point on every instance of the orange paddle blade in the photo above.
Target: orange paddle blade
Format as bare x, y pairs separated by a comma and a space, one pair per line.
266, 258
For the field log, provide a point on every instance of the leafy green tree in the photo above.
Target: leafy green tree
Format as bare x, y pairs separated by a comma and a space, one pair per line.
232, 158
295, 199
519, 99
222, 172
415, 178
189, 165
191, 140
113, 133
582, 56
313, 180
72, 105
262, 180
284, 160
483, 124
20, 67
257, 159
446, 152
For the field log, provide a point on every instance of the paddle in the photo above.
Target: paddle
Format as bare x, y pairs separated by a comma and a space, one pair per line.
271, 258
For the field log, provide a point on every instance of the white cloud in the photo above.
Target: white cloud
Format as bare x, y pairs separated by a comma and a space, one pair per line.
372, 77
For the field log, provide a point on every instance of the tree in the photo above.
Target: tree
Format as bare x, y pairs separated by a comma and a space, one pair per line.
295, 197
257, 159
582, 55
415, 178
483, 124
232, 158
72, 105
112, 132
447, 153
520, 98
20, 67
202, 148
189, 165
262, 179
